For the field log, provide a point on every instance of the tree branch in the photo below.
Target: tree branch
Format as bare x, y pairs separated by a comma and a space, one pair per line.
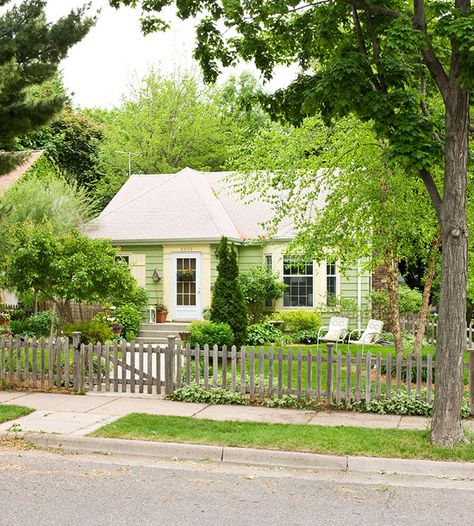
358, 31
423, 105
429, 56
432, 191
375, 48
373, 8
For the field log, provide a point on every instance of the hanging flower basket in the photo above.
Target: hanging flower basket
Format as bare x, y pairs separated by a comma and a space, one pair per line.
185, 275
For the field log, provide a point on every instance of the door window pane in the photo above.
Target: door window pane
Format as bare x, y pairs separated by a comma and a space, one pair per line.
186, 281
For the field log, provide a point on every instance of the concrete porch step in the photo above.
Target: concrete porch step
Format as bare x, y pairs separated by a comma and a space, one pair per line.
158, 334
164, 327
153, 341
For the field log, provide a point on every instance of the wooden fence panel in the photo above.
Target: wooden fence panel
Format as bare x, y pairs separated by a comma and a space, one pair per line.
309, 373
224, 366
280, 372
368, 378
261, 379
206, 366
252, 373
271, 357
47, 364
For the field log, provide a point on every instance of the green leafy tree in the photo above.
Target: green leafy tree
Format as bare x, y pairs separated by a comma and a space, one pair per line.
64, 267
72, 141
258, 285
368, 214
163, 125
239, 101
228, 303
31, 49
42, 198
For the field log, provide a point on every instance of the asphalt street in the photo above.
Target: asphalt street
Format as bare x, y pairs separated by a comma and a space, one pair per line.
44, 488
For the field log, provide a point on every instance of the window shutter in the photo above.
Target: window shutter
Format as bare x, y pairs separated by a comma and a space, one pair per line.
138, 268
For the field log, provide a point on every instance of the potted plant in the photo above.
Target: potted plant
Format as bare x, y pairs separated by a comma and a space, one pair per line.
116, 328
4, 316
161, 313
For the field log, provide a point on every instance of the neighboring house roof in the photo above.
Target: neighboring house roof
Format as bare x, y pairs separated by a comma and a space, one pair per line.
12, 177
189, 205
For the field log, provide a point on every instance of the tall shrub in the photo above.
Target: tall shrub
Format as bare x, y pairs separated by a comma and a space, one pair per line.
228, 304
258, 285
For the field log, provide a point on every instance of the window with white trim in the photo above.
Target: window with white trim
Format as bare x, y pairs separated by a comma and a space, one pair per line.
298, 277
331, 282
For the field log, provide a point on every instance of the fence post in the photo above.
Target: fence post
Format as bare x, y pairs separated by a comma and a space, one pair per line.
169, 360
330, 348
471, 379
76, 340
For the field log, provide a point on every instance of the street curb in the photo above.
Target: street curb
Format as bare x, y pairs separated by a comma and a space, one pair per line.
248, 456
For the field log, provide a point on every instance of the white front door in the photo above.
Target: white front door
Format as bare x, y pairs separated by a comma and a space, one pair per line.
187, 286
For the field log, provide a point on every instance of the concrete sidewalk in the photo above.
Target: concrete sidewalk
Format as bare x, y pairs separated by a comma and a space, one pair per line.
79, 415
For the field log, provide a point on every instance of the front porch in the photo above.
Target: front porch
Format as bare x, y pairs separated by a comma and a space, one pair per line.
158, 333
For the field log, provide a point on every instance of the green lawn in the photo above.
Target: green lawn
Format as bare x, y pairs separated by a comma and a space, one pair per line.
291, 437
12, 412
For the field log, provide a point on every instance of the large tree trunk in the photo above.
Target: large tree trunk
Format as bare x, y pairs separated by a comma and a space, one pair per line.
451, 338
425, 303
392, 288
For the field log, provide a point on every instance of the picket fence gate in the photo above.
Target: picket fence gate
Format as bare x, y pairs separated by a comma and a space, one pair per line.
324, 376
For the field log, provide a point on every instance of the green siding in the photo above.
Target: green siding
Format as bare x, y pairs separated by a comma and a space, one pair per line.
250, 256
349, 283
153, 260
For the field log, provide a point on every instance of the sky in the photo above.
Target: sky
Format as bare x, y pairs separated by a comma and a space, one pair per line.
98, 70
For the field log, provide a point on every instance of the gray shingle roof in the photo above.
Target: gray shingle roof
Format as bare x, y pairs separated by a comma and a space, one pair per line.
185, 206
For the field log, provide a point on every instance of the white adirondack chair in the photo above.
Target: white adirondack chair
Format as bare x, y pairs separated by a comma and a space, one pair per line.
335, 332
370, 336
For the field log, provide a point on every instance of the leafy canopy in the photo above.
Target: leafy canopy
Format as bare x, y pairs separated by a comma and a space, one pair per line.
386, 61
163, 124
346, 202
31, 49
66, 266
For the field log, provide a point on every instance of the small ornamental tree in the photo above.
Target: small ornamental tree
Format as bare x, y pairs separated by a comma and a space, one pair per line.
228, 303
66, 267
258, 285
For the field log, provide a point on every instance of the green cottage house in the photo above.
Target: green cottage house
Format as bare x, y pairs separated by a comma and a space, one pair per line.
168, 227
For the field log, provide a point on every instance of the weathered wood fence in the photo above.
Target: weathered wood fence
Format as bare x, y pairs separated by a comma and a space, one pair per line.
431, 330
324, 375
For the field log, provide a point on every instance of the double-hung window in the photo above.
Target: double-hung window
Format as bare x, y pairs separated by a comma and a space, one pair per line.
331, 282
298, 277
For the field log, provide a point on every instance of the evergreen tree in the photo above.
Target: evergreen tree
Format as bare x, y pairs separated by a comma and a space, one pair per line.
228, 304
31, 49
